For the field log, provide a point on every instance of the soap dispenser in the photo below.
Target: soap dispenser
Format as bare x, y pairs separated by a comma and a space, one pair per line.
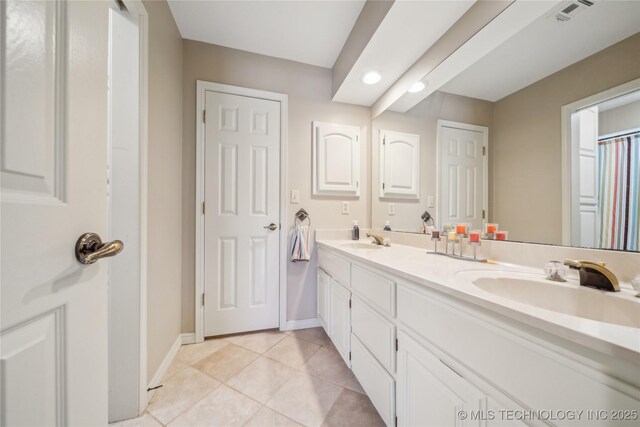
355, 233
387, 226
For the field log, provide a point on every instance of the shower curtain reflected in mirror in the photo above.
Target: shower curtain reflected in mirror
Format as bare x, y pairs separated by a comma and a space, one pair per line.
618, 192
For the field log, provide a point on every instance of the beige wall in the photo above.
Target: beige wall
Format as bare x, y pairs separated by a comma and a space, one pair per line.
619, 119
165, 151
309, 91
422, 120
526, 142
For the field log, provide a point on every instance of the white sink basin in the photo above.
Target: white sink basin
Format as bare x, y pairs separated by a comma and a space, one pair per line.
567, 298
361, 245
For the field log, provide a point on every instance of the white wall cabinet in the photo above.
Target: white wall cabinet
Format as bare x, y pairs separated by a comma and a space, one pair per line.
399, 165
336, 160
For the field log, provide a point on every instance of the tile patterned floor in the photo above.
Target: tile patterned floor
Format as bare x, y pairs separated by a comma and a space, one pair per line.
262, 379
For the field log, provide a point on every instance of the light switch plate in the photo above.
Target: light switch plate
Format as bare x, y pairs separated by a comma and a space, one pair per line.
345, 208
392, 208
295, 196
430, 202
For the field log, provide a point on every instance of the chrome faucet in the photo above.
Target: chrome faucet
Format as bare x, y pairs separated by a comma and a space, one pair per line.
379, 240
595, 275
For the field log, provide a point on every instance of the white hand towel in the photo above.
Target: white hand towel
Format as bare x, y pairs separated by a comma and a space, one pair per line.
300, 243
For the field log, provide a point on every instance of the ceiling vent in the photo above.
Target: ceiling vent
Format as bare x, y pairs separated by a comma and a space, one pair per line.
569, 10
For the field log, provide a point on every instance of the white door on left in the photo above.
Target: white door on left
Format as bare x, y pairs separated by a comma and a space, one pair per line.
54, 188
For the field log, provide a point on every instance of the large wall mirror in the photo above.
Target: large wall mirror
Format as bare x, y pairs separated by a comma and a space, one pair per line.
541, 135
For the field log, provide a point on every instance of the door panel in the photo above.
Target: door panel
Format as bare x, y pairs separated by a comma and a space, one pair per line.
340, 319
53, 366
242, 175
462, 191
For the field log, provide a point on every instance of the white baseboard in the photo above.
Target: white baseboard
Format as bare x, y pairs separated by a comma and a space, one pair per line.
164, 366
189, 338
303, 324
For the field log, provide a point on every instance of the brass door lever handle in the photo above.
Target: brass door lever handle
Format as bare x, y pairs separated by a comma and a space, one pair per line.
89, 248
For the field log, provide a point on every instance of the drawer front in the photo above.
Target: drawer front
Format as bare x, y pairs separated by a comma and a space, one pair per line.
376, 289
376, 382
339, 269
376, 333
544, 376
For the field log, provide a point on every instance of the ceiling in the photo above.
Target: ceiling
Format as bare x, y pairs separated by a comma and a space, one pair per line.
312, 32
545, 47
405, 33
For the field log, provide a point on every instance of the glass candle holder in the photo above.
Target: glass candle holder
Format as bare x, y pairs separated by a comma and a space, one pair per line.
502, 235
474, 236
490, 230
435, 238
461, 229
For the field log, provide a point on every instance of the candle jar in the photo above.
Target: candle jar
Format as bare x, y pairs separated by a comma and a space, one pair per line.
461, 229
502, 235
490, 230
474, 236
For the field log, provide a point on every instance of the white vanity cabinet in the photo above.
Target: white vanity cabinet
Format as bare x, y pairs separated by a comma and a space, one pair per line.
425, 358
334, 301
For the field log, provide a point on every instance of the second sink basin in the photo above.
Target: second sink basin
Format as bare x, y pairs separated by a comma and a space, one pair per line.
567, 298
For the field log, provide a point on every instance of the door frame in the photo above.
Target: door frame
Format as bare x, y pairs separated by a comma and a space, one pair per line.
136, 7
201, 88
485, 178
569, 144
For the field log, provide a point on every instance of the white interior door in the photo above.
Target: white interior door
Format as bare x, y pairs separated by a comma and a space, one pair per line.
54, 188
585, 194
242, 181
462, 177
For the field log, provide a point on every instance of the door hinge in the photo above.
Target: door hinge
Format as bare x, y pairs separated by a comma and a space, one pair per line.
349, 355
204, 116
357, 138
203, 208
396, 344
202, 298
383, 185
349, 303
384, 140
483, 214
484, 151
396, 422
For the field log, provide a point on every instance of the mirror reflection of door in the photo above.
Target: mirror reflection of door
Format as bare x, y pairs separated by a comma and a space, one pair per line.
462, 175
606, 179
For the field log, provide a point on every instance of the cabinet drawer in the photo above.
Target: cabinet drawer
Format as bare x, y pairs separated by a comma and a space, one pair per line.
338, 268
376, 333
378, 290
376, 382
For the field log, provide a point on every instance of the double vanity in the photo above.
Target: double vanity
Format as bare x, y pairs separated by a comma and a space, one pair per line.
439, 341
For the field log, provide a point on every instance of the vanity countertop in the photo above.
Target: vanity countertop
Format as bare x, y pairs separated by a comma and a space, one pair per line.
439, 273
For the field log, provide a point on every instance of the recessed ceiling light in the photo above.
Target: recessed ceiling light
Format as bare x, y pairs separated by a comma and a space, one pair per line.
417, 87
371, 78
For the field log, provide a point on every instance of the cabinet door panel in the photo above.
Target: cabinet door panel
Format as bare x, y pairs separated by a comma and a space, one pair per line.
378, 384
340, 320
336, 159
323, 299
430, 393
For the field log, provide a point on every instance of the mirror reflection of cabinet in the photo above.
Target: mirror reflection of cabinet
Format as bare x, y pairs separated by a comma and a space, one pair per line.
400, 165
336, 160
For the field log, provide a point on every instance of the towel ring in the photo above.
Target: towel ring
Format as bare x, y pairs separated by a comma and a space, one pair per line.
301, 216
